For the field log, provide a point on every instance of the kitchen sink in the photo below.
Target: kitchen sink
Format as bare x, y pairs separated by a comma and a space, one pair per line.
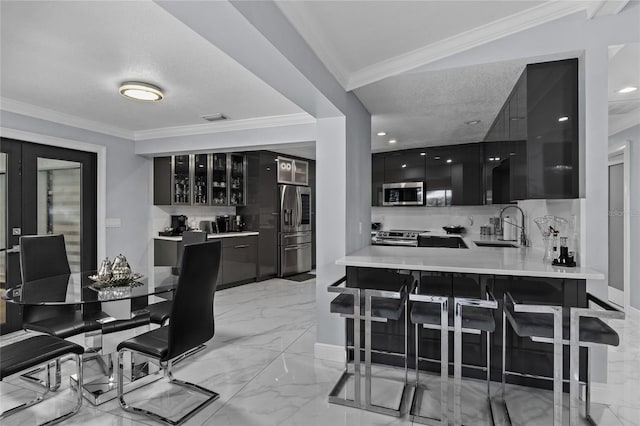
496, 244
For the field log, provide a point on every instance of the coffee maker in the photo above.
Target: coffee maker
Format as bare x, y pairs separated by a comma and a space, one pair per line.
179, 224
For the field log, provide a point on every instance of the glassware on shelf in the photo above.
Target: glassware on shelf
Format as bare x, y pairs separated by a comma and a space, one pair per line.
551, 227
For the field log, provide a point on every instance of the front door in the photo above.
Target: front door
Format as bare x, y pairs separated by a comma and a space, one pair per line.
44, 190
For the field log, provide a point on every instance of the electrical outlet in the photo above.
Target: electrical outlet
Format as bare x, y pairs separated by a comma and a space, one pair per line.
16, 231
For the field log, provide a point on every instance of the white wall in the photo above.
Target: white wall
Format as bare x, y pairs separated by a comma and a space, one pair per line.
128, 189
259, 37
632, 137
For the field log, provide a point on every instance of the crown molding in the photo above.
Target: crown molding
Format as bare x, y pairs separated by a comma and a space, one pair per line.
314, 39
475, 37
34, 111
229, 126
624, 123
605, 7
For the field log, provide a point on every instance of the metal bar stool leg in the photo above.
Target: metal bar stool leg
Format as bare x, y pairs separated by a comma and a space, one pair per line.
369, 294
415, 416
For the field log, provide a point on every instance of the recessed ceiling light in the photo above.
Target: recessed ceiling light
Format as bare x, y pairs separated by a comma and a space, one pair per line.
382, 133
404, 165
141, 91
392, 141
423, 153
628, 89
472, 122
449, 160
565, 118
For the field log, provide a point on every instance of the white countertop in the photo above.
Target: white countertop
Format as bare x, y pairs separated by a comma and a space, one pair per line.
212, 236
474, 260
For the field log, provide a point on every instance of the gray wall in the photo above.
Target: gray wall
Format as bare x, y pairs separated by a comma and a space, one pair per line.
128, 189
632, 137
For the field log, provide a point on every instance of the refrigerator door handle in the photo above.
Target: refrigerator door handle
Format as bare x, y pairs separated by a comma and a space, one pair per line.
299, 201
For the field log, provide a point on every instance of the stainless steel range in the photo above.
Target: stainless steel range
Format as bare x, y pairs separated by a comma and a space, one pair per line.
397, 237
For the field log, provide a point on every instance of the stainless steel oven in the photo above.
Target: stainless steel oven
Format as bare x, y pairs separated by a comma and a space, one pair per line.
403, 194
294, 230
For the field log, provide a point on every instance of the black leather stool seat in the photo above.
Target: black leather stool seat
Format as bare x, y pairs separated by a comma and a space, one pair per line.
154, 343
159, 312
472, 317
31, 352
124, 324
592, 330
380, 308
67, 325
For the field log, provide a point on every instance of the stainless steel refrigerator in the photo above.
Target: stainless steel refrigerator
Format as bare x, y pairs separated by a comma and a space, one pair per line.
294, 230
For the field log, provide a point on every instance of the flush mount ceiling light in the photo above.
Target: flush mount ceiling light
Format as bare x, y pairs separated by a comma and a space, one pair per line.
561, 119
392, 141
139, 91
382, 133
472, 122
627, 89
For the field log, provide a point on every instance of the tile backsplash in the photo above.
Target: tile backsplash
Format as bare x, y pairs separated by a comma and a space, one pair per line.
473, 217
162, 215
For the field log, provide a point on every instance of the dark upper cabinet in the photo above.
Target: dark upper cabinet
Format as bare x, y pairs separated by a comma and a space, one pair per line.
504, 171
438, 176
466, 174
539, 124
377, 178
404, 166
552, 129
162, 181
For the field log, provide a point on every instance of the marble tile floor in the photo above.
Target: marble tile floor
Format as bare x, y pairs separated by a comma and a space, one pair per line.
262, 364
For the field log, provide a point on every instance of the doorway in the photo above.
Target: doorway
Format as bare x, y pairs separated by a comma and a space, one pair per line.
618, 230
44, 190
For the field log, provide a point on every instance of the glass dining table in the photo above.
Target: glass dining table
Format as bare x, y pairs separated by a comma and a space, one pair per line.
115, 310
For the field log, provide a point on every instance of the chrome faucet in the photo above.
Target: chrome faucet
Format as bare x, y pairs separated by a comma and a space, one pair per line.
523, 235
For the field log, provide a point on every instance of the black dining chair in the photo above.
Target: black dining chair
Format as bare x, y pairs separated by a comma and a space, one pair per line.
45, 256
34, 351
160, 312
191, 325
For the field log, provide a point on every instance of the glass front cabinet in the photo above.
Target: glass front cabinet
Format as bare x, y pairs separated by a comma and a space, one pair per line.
181, 177
293, 171
219, 180
200, 180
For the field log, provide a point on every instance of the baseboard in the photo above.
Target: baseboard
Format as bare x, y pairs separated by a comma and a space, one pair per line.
601, 393
635, 312
329, 352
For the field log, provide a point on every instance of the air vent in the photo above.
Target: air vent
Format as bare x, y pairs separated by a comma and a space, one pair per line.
214, 117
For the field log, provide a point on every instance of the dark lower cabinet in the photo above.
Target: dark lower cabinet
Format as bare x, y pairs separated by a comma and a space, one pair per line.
239, 263
239, 259
523, 355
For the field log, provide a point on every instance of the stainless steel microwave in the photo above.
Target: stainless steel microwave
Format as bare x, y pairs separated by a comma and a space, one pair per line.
403, 194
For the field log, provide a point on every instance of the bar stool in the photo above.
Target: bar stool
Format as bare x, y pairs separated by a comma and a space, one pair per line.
470, 315
379, 306
554, 324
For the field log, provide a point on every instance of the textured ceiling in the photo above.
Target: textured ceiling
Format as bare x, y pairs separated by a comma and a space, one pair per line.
72, 56
431, 108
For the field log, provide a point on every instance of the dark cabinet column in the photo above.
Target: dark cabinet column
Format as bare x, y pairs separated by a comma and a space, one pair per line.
377, 178
552, 129
162, 181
